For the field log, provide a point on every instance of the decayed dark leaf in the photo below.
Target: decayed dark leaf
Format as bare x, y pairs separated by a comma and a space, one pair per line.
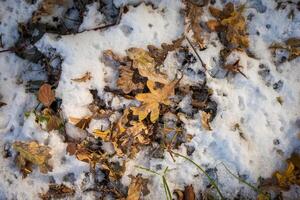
125, 81
137, 187
45, 95
194, 13
160, 54
232, 23
2, 104
53, 120
57, 192
82, 123
34, 153
235, 68
86, 77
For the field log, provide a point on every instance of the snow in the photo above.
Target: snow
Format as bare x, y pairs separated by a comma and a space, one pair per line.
250, 102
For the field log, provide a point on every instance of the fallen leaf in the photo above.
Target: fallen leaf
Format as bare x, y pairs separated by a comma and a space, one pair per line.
81, 123
194, 13
189, 193
205, 119
233, 26
45, 95
109, 58
57, 191
47, 7
35, 154
86, 77
235, 68
146, 65
104, 135
136, 187
213, 25
125, 81
151, 101
292, 46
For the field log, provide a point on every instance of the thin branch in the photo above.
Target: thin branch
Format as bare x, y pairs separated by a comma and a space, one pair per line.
194, 49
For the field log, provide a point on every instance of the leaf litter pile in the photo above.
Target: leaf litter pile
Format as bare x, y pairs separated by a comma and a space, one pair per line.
159, 104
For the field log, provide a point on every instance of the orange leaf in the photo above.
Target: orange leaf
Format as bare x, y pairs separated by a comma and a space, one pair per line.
45, 95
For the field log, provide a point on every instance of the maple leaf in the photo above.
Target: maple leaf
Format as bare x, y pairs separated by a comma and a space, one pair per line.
137, 186
45, 95
86, 77
151, 101
33, 153
146, 65
125, 81
194, 13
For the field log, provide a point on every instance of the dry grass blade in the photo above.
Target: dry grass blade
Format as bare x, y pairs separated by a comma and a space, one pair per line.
86, 77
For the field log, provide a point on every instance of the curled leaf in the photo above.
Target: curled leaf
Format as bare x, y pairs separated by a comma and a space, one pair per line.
82, 123
86, 77
205, 119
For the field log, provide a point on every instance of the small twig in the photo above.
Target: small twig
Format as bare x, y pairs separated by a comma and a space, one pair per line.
194, 49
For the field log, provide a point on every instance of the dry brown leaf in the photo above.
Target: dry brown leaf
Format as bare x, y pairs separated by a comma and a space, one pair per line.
151, 101
47, 7
213, 25
2, 104
33, 153
233, 25
54, 122
86, 77
205, 119
109, 58
292, 46
45, 95
57, 192
194, 14
189, 193
235, 68
81, 123
146, 65
136, 187
125, 81
160, 54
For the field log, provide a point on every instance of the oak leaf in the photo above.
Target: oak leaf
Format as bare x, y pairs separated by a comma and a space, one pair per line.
125, 81
34, 153
146, 65
137, 187
151, 101
45, 95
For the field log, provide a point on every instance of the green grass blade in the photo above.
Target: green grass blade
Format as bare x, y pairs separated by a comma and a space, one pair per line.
202, 170
148, 170
167, 189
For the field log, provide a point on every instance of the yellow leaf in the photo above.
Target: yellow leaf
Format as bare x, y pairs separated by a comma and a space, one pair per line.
104, 135
151, 101
35, 154
136, 187
146, 65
